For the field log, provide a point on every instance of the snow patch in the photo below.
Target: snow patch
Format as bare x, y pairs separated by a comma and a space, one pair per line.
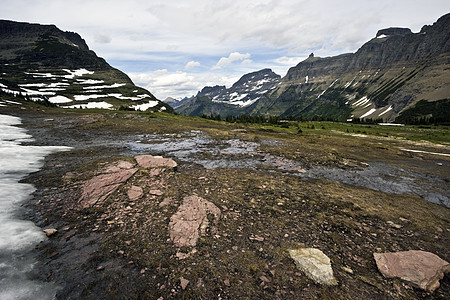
382, 36
361, 101
388, 109
89, 81
102, 105
145, 106
420, 151
87, 97
115, 85
59, 99
79, 72
371, 111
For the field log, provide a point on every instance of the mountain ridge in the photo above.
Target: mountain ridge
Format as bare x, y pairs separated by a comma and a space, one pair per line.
386, 76
45, 63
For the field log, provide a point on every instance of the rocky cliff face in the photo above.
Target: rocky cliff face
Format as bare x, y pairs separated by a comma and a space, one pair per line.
386, 76
45, 63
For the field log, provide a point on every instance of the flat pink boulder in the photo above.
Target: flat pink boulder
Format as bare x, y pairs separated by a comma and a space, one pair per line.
191, 221
98, 188
150, 161
423, 269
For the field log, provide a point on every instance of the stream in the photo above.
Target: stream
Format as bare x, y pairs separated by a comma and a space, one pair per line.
18, 237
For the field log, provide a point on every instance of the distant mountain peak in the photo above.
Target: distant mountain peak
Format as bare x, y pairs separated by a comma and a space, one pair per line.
391, 31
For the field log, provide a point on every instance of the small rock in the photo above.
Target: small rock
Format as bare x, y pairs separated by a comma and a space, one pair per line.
394, 225
226, 282
315, 264
348, 270
155, 192
134, 193
184, 283
424, 269
100, 268
50, 231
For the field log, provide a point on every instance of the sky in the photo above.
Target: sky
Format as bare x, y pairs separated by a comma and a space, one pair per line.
176, 47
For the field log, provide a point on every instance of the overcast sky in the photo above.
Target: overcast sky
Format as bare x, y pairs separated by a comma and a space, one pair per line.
176, 47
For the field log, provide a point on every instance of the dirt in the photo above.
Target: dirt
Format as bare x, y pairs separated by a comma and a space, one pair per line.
347, 197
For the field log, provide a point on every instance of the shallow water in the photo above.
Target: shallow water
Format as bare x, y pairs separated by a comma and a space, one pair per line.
18, 237
197, 147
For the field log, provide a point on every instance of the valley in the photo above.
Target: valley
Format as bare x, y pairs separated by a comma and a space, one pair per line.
347, 189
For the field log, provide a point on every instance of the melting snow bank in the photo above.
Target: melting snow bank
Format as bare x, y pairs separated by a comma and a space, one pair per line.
18, 237
426, 152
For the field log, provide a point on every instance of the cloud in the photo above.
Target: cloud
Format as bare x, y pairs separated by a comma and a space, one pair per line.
192, 64
163, 83
289, 60
102, 38
235, 56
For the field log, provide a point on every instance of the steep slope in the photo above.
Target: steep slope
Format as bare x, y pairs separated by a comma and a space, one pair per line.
43, 62
387, 76
219, 100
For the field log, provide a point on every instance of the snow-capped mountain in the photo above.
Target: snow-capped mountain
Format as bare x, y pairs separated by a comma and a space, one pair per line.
42, 62
246, 91
242, 94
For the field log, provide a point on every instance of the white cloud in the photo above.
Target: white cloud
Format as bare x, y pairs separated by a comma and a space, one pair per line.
289, 60
163, 83
192, 64
102, 38
235, 56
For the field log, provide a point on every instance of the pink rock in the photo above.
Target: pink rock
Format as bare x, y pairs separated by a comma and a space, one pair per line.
424, 269
191, 220
118, 166
155, 192
100, 187
135, 192
150, 161
184, 283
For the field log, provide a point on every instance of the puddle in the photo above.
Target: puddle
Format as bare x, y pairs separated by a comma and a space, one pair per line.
196, 147
389, 179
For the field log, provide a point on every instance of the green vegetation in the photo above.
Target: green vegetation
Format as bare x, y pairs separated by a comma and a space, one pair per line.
426, 112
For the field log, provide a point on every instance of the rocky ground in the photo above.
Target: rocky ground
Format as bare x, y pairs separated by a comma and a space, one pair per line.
215, 218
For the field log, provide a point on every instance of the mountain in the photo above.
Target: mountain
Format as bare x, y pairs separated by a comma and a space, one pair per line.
385, 78
43, 62
219, 100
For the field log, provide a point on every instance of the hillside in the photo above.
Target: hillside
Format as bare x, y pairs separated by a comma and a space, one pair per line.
45, 63
387, 76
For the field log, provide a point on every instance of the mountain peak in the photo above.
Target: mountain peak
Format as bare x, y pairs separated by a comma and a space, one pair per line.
393, 31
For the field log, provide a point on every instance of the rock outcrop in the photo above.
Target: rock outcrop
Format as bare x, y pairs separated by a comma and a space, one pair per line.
423, 269
100, 187
150, 161
315, 264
